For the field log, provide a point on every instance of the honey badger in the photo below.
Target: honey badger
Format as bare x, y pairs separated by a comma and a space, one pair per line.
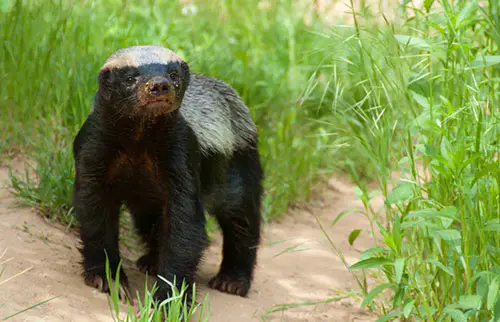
168, 144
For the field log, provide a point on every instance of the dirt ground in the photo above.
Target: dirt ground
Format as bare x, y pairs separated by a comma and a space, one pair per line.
295, 264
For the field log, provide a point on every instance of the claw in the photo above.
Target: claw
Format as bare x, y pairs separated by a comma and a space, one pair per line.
96, 282
228, 284
125, 294
100, 283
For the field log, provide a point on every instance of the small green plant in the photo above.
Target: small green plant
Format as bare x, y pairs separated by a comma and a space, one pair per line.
176, 308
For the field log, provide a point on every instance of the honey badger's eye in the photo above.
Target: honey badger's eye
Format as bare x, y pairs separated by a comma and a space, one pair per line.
130, 79
174, 76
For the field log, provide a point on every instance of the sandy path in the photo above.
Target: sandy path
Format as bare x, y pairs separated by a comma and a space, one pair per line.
311, 272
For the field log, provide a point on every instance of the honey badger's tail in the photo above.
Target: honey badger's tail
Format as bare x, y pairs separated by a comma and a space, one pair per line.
217, 115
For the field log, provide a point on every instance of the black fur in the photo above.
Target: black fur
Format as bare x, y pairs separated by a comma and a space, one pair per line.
155, 166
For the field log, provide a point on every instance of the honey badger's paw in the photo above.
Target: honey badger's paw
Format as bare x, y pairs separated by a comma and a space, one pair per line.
230, 284
100, 282
148, 264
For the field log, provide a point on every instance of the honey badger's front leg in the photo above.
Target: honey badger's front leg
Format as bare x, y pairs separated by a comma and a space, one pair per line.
98, 214
181, 230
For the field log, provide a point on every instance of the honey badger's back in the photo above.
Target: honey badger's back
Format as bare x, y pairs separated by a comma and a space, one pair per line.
231, 175
219, 118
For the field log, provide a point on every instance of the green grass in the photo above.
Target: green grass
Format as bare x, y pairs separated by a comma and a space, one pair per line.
147, 309
420, 96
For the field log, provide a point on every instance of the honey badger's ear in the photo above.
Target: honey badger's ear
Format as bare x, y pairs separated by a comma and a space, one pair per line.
103, 81
185, 71
185, 66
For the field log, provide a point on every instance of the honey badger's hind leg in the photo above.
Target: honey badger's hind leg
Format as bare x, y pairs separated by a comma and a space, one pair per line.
238, 214
146, 216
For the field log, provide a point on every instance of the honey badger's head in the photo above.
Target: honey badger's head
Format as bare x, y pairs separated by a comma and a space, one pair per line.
143, 81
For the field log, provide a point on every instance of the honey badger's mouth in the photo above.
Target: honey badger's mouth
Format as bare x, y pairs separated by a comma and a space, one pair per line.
156, 108
159, 107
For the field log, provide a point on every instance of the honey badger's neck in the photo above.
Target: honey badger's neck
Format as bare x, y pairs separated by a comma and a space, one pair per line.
133, 128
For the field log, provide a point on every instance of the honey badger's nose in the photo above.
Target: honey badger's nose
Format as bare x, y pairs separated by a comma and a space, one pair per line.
158, 86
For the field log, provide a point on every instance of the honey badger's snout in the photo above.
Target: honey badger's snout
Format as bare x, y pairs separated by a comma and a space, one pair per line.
159, 94
158, 87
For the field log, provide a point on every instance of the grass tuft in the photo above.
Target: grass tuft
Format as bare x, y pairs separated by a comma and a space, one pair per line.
175, 308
